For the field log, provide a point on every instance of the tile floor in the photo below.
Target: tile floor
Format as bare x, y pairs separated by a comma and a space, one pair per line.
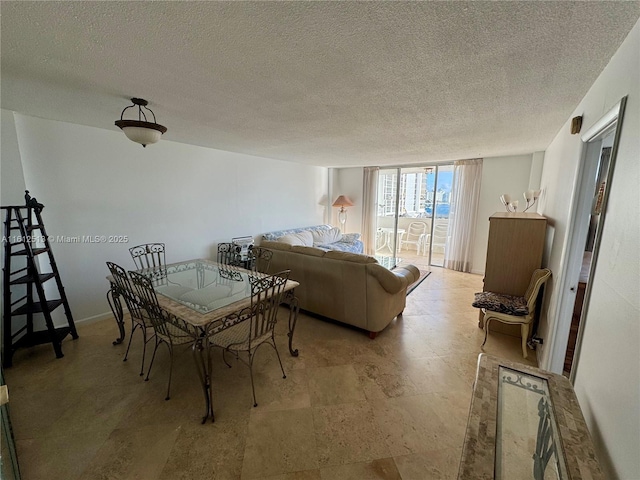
350, 407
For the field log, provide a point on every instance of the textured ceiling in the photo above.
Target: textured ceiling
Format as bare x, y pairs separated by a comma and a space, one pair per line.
321, 83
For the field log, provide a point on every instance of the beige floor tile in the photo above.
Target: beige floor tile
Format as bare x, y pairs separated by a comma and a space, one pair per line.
334, 385
34, 415
346, 433
383, 469
432, 465
465, 365
411, 425
347, 406
63, 457
96, 407
384, 380
133, 453
304, 475
275, 393
280, 442
433, 374
203, 452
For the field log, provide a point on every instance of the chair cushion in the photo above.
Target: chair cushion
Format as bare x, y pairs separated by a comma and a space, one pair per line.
496, 302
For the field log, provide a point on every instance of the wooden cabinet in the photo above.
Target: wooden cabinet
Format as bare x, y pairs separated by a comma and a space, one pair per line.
514, 251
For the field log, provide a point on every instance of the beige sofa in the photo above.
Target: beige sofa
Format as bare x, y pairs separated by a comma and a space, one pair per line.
348, 287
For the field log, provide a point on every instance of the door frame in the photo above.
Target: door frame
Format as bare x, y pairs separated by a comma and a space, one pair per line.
582, 197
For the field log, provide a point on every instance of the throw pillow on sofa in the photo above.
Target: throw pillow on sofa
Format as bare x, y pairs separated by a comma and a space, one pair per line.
304, 239
321, 237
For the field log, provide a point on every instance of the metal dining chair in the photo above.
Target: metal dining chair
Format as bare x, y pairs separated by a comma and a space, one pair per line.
169, 329
229, 254
150, 257
259, 259
253, 326
139, 318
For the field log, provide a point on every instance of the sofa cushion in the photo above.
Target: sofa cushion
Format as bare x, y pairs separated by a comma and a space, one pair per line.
273, 245
350, 257
313, 251
326, 236
348, 243
279, 233
304, 238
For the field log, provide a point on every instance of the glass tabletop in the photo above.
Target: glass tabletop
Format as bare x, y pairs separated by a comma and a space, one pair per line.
388, 262
527, 440
203, 286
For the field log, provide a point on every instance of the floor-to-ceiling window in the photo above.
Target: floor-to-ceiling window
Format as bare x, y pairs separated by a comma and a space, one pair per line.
413, 214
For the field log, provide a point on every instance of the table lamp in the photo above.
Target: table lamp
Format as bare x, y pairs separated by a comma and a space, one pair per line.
342, 201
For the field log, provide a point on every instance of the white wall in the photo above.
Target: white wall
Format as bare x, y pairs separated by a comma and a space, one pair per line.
12, 189
12, 185
97, 182
537, 162
499, 175
607, 379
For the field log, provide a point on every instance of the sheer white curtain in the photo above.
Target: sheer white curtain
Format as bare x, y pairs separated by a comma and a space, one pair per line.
369, 209
465, 193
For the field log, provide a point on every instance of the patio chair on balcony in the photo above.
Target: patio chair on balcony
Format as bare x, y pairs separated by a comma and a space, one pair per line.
416, 235
440, 237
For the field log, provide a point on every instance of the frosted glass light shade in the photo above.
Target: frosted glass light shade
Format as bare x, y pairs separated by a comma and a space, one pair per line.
144, 133
141, 131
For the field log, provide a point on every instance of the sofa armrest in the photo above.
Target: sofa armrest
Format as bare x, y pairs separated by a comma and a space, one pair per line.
395, 280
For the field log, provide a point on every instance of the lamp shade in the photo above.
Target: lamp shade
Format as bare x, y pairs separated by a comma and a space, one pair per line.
141, 131
343, 201
144, 133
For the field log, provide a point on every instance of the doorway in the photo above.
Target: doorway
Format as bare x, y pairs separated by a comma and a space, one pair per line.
413, 214
594, 227
584, 238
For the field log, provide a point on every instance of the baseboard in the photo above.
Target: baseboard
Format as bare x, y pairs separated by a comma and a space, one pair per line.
97, 318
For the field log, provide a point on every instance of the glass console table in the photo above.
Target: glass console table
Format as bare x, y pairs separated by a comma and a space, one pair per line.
525, 423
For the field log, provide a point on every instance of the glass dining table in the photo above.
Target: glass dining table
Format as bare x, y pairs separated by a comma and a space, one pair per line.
203, 294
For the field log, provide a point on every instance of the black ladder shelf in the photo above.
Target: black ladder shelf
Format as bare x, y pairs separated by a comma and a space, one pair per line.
28, 240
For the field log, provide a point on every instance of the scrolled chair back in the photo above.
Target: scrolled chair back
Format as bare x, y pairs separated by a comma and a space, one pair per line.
125, 289
260, 259
148, 255
165, 324
229, 253
148, 299
266, 296
150, 258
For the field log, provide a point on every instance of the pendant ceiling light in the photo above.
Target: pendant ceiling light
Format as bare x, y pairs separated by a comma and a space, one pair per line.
141, 131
